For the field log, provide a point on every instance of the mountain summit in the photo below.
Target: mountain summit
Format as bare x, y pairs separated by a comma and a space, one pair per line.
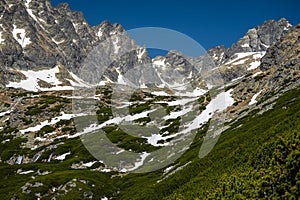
36, 36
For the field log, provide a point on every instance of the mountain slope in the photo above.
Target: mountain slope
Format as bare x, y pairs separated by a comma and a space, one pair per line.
244, 100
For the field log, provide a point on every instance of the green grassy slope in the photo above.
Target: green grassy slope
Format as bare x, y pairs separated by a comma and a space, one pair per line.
258, 157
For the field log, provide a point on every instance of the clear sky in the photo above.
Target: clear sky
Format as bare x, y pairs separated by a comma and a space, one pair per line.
211, 22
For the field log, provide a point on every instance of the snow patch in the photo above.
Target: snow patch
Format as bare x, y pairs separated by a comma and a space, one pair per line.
238, 78
266, 46
179, 101
259, 55
215, 57
32, 78
141, 162
19, 160
245, 45
168, 169
121, 79
63, 156
89, 164
4, 141
116, 120
160, 93
174, 115
57, 42
5, 113
106, 170
75, 26
257, 58
239, 56
240, 62
141, 53
1, 39
195, 93
257, 73
254, 65
29, 10
220, 103
153, 140
79, 82
27, 172
253, 99
100, 33
47, 122
20, 35
159, 62
116, 46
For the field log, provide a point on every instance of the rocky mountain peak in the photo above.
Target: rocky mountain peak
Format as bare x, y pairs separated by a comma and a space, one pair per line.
35, 35
257, 39
107, 29
283, 54
261, 37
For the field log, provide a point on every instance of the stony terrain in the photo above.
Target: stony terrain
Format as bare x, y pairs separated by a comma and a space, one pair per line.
49, 112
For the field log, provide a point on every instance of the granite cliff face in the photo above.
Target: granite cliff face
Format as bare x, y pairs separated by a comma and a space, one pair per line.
36, 36
46, 49
245, 54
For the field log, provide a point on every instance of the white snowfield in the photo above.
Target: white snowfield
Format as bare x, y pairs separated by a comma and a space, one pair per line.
159, 62
49, 122
1, 39
35, 18
241, 58
89, 164
29, 10
255, 64
139, 163
257, 73
20, 35
140, 53
121, 79
100, 33
5, 113
219, 104
245, 45
47, 75
63, 156
195, 93
253, 99
26, 172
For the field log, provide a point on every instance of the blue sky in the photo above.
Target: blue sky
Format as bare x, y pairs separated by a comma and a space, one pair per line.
210, 23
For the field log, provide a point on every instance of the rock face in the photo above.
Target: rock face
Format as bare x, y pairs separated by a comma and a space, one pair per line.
279, 71
260, 38
282, 60
285, 53
252, 47
34, 36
